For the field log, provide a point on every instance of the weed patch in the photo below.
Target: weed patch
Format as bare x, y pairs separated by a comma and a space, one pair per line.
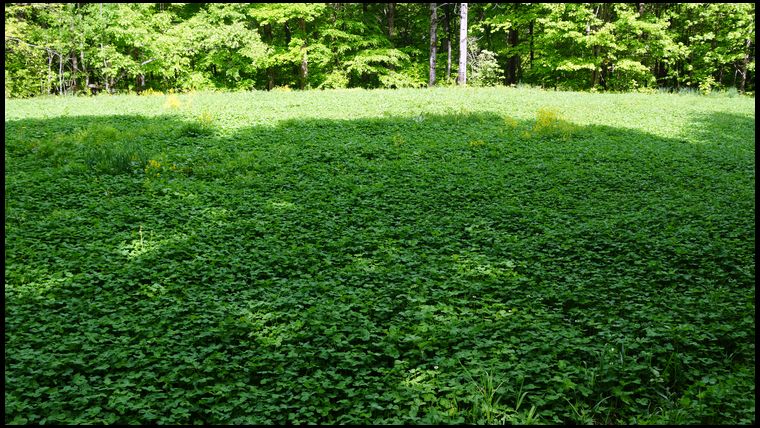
202, 126
550, 123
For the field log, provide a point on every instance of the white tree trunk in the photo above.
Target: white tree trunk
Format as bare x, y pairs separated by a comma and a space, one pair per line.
448, 44
50, 73
60, 74
462, 77
433, 43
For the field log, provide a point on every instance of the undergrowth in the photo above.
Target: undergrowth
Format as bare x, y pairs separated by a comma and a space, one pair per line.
375, 257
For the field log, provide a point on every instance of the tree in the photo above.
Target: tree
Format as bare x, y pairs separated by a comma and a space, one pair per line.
744, 66
391, 12
433, 42
57, 48
447, 30
288, 51
462, 76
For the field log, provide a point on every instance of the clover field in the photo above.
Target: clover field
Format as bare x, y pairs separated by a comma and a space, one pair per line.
478, 255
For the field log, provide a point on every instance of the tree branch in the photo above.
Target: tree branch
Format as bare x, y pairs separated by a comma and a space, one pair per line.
29, 44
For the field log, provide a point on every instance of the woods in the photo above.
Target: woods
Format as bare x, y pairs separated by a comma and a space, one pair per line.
54, 48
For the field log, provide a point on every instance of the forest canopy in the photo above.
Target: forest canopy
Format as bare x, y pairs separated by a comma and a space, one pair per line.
56, 48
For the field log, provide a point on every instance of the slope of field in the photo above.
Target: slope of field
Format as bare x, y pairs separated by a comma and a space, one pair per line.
413, 256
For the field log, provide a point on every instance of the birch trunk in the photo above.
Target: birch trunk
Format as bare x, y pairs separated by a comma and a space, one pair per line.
462, 76
433, 43
447, 30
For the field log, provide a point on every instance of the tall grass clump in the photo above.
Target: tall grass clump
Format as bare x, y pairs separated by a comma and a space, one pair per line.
99, 148
115, 157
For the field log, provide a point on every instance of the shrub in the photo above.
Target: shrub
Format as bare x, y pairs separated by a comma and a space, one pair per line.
706, 86
197, 81
399, 80
335, 80
486, 70
629, 75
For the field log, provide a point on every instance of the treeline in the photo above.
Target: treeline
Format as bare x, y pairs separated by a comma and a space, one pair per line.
55, 48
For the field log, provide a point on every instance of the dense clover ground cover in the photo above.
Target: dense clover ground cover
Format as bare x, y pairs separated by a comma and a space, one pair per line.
413, 256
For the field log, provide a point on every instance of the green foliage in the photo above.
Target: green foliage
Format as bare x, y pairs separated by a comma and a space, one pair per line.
630, 75
380, 257
400, 80
486, 70
335, 80
114, 156
371, 68
706, 86
202, 126
100, 148
81, 48
550, 123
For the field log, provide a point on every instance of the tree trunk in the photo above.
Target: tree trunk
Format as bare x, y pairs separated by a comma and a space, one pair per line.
391, 12
530, 31
304, 68
599, 74
433, 43
74, 71
745, 62
50, 72
462, 72
73, 55
595, 73
105, 65
514, 59
447, 29
270, 78
84, 69
270, 69
304, 72
60, 75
